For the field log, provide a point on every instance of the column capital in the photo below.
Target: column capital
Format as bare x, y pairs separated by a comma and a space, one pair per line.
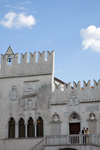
25, 124
35, 123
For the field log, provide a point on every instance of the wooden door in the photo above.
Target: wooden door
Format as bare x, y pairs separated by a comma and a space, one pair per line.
74, 128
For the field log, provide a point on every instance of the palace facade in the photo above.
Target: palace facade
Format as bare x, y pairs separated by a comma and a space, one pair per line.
38, 109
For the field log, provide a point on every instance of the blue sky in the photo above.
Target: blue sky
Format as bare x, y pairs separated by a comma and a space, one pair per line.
70, 27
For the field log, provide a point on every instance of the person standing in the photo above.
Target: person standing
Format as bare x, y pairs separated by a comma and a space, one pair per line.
84, 136
87, 133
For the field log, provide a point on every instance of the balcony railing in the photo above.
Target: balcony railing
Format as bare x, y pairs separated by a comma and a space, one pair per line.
72, 139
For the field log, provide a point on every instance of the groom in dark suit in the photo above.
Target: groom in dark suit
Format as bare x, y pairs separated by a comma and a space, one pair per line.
84, 136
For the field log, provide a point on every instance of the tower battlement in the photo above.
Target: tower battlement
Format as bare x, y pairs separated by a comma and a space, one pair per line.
10, 65
77, 86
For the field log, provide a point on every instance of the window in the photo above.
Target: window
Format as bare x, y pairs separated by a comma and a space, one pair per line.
21, 128
30, 128
74, 117
11, 130
40, 127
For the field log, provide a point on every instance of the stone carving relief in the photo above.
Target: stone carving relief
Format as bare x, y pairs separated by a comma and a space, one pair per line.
14, 93
28, 87
55, 118
29, 103
74, 117
92, 116
73, 99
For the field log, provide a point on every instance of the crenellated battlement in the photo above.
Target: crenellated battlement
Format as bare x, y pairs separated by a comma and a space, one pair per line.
86, 94
77, 86
10, 65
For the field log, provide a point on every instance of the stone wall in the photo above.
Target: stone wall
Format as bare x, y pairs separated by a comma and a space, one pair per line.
27, 90
25, 67
18, 144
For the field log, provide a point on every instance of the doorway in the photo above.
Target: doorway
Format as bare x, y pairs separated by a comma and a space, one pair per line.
74, 128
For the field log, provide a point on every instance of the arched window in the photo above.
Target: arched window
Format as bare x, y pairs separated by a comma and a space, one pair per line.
21, 128
30, 128
74, 117
39, 127
11, 128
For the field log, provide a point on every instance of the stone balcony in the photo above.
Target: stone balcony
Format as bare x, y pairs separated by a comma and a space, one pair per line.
72, 142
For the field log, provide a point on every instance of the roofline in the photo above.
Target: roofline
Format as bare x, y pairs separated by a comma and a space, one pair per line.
59, 80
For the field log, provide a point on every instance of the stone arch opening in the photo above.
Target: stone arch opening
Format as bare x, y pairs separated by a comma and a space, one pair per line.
74, 123
21, 128
9, 60
30, 128
11, 131
39, 127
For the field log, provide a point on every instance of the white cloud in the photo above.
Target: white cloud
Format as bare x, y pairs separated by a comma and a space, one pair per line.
21, 7
26, 2
91, 38
12, 19
10, 6
34, 11
58, 70
15, 7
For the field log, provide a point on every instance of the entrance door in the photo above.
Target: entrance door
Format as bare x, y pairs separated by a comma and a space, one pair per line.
74, 128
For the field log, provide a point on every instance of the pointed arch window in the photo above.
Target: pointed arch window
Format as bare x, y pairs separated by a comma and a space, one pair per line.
39, 127
11, 130
21, 128
30, 128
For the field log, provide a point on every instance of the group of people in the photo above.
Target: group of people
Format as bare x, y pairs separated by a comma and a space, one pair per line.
85, 132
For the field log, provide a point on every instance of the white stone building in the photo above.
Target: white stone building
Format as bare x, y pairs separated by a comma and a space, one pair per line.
37, 108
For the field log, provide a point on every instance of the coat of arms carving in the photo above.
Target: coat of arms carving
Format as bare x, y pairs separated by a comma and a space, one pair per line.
29, 103
73, 99
14, 93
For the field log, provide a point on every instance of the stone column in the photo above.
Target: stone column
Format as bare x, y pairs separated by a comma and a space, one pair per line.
43, 129
35, 124
92, 138
26, 130
6, 136
16, 130
44, 133
99, 123
80, 134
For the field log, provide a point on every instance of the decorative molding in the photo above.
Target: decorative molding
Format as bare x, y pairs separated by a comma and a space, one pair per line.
24, 75
58, 102
89, 101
